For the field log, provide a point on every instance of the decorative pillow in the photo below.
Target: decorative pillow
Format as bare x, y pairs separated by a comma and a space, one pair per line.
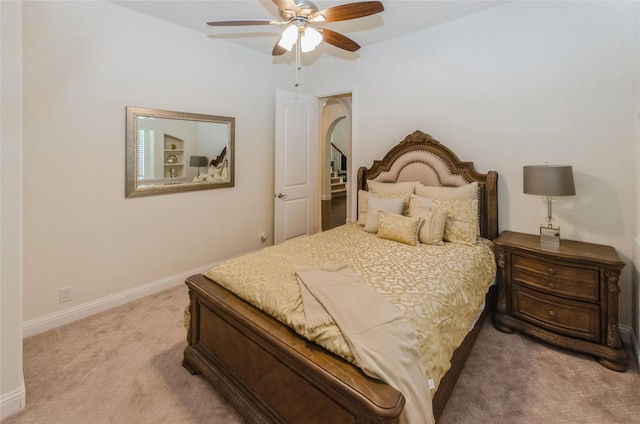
462, 220
398, 228
376, 204
363, 201
467, 191
214, 171
420, 201
435, 219
391, 188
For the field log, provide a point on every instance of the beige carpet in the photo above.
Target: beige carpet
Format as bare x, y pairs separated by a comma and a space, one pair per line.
124, 366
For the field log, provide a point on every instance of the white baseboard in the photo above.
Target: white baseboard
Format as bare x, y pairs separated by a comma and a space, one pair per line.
12, 402
51, 321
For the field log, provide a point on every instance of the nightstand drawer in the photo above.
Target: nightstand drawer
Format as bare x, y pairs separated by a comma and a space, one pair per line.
573, 318
568, 281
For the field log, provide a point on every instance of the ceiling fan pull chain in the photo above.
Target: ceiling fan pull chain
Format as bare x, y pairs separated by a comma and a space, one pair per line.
298, 59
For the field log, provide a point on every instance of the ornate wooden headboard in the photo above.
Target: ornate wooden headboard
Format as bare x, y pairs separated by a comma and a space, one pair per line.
420, 157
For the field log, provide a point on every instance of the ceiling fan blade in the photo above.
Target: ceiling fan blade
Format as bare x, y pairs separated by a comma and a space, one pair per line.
278, 50
285, 4
348, 11
338, 40
245, 22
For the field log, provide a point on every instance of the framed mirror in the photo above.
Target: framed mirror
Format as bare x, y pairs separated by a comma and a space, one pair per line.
170, 152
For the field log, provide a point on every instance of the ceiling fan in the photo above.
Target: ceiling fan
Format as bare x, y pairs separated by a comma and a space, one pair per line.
301, 18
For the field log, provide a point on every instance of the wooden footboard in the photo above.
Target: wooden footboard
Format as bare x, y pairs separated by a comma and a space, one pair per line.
270, 374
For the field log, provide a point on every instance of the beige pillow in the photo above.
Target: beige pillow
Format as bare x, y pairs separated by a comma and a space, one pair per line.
467, 191
363, 203
376, 204
421, 201
398, 228
435, 219
391, 188
462, 220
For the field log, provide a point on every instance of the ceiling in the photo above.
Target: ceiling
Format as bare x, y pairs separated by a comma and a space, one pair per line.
400, 17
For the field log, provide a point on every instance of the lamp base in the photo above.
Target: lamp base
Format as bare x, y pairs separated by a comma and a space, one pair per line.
550, 236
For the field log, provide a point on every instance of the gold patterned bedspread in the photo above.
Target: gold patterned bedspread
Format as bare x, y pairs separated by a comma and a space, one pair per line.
439, 288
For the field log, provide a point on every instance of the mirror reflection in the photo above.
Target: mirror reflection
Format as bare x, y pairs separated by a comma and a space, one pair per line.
177, 151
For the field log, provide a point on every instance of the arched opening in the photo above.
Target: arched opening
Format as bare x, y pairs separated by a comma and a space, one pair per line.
336, 136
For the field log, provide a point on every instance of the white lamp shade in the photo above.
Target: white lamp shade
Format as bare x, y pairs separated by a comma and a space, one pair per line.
310, 39
289, 37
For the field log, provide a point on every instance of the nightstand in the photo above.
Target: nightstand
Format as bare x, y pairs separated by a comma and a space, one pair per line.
565, 295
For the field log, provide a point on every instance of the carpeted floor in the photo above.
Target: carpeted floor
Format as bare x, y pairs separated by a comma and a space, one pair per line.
124, 366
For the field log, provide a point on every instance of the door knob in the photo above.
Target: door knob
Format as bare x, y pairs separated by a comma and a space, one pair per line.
281, 196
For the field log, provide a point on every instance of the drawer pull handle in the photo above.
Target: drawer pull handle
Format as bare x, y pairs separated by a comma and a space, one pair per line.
552, 313
551, 285
551, 271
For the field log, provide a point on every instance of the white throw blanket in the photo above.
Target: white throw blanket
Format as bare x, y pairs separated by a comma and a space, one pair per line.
380, 338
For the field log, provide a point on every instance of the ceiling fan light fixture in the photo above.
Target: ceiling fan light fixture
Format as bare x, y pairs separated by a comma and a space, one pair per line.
289, 37
310, 39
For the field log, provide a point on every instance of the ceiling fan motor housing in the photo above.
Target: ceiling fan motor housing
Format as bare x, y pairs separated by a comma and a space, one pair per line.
304, 8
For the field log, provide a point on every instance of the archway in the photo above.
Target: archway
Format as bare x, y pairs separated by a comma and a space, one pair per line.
335, 126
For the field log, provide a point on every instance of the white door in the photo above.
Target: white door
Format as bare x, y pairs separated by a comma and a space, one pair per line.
296, 166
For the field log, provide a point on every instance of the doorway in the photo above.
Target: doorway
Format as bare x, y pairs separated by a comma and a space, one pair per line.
335, 139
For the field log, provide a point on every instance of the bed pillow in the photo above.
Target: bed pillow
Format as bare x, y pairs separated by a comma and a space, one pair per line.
377, 204
391, 188
467, 191
462, 220
435, 219
398, 228
424, 202
363, 203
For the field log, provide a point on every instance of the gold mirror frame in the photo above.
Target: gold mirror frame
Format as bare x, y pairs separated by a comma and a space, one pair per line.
176, 153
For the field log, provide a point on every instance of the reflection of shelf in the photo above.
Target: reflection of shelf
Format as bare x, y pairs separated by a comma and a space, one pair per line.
174, 146
178, 170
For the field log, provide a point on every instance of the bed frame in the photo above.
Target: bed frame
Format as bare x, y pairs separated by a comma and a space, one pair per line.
270, 374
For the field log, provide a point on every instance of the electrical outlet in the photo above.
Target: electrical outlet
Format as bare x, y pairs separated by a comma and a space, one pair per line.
65, 294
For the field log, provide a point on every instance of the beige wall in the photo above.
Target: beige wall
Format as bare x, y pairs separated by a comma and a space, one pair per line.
83, 63
12, 389
636, 252
524, 83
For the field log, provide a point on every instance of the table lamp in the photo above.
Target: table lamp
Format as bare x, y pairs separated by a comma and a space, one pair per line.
198, 161
549, 181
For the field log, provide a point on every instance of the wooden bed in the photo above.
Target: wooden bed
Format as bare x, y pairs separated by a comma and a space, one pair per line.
271, 374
